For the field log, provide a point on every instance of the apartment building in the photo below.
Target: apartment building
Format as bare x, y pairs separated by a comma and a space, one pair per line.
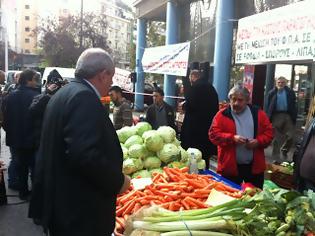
28, 20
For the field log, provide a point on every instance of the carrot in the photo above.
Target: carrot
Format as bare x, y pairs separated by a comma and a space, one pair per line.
185, 205
184, 169
156, 177
129, 209
120, 221
137, 207
121, 210
195, 184
128, 197
197, 202
172, 206
117, 233
202, 191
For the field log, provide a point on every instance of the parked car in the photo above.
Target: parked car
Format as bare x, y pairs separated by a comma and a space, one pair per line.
66, 73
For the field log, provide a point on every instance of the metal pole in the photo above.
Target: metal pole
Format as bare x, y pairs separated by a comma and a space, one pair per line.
6, 60
81, 24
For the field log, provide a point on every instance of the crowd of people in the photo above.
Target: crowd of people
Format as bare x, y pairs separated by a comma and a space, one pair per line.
65, 141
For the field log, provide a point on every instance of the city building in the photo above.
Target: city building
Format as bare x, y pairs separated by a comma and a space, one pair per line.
27, 22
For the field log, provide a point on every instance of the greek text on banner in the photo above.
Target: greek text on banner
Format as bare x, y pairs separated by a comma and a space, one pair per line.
283, 34
171, 59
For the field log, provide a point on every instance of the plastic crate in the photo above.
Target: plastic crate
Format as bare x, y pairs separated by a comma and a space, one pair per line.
283, 180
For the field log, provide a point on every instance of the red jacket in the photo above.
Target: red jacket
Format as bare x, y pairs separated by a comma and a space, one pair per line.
222, 131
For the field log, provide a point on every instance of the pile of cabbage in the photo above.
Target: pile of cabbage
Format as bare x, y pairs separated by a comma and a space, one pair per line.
147, 151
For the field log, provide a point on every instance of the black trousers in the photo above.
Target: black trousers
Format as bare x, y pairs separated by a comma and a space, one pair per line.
25, 166
245, 175
3, 194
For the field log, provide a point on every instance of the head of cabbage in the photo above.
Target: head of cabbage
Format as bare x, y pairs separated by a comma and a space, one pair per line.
177, 164
125, 133
141, 174
134, 139
184, 157
167, 133
131, 165
124, 150
142, 127
153, 141
201, 165
152, 162
137, 151
196, 152
169, 153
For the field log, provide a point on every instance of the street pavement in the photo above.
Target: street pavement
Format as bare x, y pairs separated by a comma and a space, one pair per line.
13, 217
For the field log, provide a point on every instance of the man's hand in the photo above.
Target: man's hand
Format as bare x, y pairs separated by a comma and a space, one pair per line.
126, 184
52, 88
239, 139
252, 144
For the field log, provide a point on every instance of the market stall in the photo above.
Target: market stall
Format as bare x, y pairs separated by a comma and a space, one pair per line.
168, 197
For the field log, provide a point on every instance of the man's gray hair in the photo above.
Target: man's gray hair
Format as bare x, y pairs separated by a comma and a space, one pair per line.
93, 61
239, 89
195, 73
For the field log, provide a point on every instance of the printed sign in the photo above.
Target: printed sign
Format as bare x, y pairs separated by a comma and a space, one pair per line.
248, 80
171, 59
283, 34
121, 79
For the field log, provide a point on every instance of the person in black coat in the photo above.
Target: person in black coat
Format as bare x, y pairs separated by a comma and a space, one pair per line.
18, 126
201, 105
160, 113
79, 165
39, 103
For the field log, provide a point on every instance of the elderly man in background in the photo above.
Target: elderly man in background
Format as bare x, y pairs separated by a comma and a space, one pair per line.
241, 132
79, 166
122, 113
281, 109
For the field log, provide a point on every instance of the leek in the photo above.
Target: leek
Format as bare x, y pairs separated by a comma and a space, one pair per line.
205, 224
194, 233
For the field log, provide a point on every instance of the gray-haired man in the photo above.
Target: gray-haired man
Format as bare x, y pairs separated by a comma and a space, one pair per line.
79, 170
241, 132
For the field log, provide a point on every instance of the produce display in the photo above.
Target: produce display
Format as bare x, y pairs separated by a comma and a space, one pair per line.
174, 189
270, 212
146, 151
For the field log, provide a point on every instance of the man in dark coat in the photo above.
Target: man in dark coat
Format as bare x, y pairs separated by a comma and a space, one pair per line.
18, 126
160, 113
79, 166
201, 105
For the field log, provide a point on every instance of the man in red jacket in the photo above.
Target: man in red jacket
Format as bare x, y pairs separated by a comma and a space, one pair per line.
241, 132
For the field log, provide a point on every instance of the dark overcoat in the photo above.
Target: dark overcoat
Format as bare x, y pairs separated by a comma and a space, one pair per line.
79, 166
200, 107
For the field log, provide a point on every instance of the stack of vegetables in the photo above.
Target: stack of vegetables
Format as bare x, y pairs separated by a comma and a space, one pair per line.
146, 150
268, 213
173, 190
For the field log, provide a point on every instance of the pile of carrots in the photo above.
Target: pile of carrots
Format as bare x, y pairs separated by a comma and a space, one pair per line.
175, 190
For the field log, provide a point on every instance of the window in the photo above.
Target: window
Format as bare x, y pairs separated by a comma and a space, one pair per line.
27, 40
27, 29
27, 6
27, 18
27, 51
